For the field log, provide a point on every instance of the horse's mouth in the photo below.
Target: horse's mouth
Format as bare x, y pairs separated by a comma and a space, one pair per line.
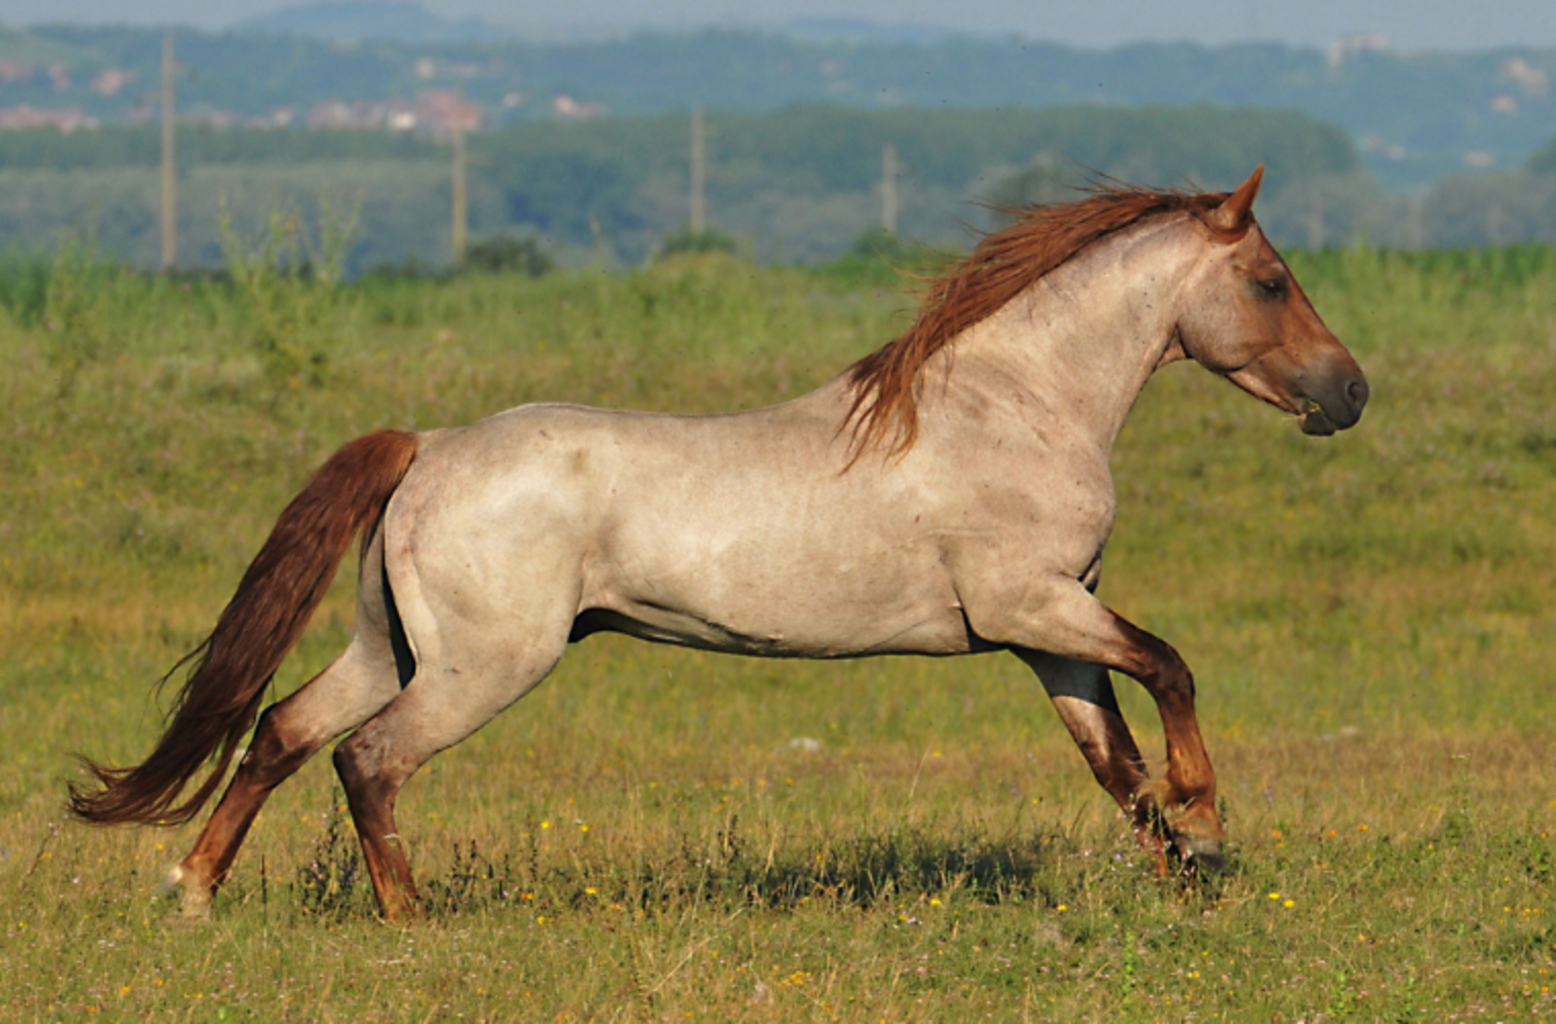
1316, 422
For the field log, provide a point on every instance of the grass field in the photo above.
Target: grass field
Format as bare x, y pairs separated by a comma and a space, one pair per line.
664, 835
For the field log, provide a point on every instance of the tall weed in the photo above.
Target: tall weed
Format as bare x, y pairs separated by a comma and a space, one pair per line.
287, 281
73, 335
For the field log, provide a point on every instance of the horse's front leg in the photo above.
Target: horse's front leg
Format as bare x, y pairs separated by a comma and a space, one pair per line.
1061, 617
1083, 695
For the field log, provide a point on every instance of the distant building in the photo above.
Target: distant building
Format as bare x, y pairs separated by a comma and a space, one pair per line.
427, 68
1371, 143
1342, 50
563, 105
441, 111
211, 117
437, 112
66, 119
111, 81
1534, 82
368, 116
280, 117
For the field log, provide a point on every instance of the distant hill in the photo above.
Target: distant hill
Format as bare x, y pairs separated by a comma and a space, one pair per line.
1544, 162
855, 31
1414, 118
345, 21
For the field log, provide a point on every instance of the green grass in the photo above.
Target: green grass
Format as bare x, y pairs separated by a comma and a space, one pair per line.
652, 835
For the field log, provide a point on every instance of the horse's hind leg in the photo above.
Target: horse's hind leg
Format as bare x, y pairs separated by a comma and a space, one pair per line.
357, 685
444, 704
1083, 695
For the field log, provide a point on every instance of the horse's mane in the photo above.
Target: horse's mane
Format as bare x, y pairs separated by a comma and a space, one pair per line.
1002, 265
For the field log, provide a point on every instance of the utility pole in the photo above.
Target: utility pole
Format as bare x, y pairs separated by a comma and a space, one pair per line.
889, 189
461, 227
169, 165
699, 218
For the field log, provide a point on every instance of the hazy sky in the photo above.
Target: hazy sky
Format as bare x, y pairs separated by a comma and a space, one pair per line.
1408, 24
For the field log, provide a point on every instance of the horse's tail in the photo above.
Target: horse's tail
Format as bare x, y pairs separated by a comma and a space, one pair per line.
232, 667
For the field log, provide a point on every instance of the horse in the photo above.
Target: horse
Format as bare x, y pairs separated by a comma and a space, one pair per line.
949, 493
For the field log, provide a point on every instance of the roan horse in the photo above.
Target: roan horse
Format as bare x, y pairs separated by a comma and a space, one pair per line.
949, 493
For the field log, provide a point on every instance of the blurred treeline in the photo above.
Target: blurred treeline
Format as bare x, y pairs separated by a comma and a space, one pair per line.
1416, 116
797, 185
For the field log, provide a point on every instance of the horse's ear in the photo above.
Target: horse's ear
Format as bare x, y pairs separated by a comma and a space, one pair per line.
1233, 214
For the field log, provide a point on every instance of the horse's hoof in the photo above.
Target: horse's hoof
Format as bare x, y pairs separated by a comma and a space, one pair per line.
194, 911
194, 898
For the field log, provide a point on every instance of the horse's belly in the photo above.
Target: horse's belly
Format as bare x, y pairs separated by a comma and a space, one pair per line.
868, 631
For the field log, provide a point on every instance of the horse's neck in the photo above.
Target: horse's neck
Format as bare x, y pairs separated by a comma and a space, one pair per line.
1081, 343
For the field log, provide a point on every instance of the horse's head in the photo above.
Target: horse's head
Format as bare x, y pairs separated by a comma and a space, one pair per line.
1246, 318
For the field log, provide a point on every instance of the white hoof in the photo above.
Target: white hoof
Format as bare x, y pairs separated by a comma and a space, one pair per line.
194, 897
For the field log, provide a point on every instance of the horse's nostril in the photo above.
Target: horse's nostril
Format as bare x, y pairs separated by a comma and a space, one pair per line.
1357, 391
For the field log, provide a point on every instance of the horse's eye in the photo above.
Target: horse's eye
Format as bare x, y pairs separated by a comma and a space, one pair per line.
1274, 288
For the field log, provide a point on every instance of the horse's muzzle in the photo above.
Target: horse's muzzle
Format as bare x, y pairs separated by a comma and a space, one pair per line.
1336, 405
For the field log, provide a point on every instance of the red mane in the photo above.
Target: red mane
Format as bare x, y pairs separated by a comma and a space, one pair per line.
1003, 264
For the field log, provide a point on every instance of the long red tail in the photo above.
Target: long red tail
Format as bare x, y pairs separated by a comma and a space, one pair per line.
233, 666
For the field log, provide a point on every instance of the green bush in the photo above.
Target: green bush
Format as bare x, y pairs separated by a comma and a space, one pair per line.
688, 241
507, 253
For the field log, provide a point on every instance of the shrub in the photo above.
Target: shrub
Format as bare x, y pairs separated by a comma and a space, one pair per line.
507, 253
688, 241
